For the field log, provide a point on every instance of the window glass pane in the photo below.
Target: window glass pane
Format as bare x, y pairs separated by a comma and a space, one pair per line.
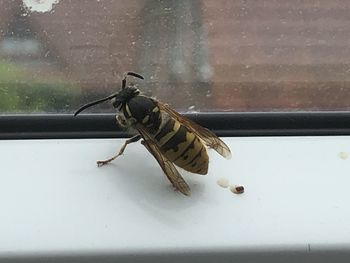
200, 55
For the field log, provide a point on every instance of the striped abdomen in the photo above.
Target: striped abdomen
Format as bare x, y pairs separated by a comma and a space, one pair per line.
182, 147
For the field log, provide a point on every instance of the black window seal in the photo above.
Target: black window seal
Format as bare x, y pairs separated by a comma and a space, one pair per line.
65, 126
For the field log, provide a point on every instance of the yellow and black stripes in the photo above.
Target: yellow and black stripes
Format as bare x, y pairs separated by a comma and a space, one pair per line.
182, 147
174, 139
194, 158
167, 131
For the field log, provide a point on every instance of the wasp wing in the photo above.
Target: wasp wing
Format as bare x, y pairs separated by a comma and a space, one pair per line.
208, 137
168, 167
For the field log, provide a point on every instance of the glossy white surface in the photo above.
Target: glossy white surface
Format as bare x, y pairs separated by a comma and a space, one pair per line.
55, 200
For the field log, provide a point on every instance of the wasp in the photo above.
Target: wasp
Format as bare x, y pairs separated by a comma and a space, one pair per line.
171, 138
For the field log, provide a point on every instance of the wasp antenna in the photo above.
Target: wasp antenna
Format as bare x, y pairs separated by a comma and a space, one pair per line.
94, 103
124, 82
130, 73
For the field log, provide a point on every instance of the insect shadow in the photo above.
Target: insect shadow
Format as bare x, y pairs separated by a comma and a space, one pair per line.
141, 180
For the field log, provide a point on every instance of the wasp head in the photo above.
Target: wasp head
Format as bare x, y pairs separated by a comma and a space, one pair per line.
119, 98
124, 96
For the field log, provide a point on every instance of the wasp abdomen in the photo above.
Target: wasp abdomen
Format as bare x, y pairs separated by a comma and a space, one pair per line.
182, 147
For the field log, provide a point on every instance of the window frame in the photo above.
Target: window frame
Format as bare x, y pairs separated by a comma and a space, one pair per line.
66, 126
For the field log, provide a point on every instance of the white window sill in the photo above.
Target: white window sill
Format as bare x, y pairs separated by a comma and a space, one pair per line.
55, 202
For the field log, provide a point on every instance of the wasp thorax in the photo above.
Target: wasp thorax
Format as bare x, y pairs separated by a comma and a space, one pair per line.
144, 110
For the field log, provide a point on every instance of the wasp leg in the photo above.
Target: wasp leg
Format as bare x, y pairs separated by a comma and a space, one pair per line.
131, 140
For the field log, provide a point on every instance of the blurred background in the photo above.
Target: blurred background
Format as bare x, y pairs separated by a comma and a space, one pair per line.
199, 55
